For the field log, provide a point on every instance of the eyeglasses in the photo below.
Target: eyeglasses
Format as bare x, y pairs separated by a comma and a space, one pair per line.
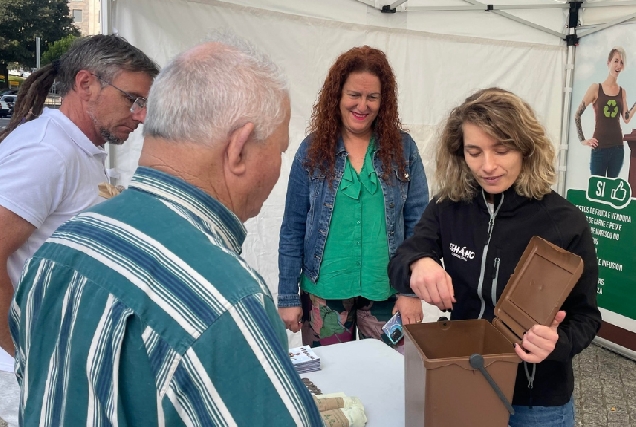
138, 102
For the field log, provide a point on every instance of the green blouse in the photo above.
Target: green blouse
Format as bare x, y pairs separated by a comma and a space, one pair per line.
356, 252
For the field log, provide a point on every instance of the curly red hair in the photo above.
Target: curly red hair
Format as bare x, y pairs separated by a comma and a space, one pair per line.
326, 120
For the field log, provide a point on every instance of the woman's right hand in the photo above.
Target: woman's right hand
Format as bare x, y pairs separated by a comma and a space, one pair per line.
592, 142
291, 317
432, 283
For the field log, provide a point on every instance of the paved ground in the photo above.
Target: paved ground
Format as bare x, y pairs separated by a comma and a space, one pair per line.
604, 391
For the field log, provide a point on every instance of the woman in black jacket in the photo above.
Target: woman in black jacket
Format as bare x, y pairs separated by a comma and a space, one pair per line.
495, 169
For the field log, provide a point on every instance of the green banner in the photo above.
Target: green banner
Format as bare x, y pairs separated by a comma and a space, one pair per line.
611, 213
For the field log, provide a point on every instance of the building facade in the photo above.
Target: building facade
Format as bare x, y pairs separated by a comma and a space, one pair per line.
87, 15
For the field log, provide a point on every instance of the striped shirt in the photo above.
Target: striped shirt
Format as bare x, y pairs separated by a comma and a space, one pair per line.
140, 312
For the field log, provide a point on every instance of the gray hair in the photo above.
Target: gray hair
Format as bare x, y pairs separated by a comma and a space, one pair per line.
104, 55
206, 93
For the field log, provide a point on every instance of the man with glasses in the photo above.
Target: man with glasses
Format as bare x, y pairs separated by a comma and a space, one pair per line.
137, 109
52, 161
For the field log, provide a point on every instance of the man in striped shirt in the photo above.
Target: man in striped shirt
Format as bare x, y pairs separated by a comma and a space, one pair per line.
140, 311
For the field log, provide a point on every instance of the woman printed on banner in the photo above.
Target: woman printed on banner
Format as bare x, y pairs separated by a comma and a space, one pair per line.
609, 101
356, 190
495, 169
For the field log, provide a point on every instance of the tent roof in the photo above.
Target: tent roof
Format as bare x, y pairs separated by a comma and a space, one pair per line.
458, 19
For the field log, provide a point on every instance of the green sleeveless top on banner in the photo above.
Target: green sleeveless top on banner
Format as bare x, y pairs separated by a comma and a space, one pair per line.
356, 252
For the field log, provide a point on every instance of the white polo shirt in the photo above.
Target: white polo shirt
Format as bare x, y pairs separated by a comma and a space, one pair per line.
49, 171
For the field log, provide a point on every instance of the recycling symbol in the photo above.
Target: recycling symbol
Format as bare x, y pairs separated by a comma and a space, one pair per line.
606, 109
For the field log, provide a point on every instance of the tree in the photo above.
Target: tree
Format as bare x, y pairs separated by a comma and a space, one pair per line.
56, 49
21, 21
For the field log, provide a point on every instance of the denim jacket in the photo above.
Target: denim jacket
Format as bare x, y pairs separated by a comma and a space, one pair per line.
309, 206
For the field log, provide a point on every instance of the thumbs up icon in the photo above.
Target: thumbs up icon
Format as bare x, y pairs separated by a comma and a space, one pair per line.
619, 193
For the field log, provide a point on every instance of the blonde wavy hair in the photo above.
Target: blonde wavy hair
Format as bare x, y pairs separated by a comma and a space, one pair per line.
509, 120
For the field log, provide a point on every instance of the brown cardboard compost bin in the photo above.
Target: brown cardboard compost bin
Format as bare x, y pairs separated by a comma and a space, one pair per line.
441, 388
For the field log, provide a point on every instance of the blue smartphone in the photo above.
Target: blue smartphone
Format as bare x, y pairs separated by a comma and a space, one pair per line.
393, 328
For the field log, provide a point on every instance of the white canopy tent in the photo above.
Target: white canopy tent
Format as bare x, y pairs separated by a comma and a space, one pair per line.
441, 51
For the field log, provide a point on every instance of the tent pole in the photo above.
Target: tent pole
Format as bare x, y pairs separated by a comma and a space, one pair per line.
562, 156
572, 41
396, 4
507, 15
492, 7
607, 25
610, 4
107, 28
484, 7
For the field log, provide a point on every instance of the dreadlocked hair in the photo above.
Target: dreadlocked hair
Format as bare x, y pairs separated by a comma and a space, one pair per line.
31, 97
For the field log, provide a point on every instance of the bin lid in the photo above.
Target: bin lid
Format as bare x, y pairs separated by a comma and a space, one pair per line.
542, 280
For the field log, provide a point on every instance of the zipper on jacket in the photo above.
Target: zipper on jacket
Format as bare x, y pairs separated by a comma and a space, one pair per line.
530, 378
493, 290
491, 225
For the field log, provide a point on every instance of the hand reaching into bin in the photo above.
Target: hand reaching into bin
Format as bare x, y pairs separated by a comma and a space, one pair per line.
432, 283
539, 341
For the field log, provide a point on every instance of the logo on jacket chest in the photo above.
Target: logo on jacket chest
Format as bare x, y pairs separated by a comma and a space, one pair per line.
461, 252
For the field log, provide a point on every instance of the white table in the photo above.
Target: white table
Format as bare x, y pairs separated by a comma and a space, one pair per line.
369, 370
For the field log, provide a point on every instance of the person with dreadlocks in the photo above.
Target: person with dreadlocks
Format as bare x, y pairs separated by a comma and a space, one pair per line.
356, 190
52, 161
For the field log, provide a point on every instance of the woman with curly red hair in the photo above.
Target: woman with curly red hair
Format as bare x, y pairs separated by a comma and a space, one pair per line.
356, 190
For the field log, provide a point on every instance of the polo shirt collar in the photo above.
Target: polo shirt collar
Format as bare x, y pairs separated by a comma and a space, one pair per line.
74, 132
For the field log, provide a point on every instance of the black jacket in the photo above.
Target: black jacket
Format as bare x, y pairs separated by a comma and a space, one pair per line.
458, 234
